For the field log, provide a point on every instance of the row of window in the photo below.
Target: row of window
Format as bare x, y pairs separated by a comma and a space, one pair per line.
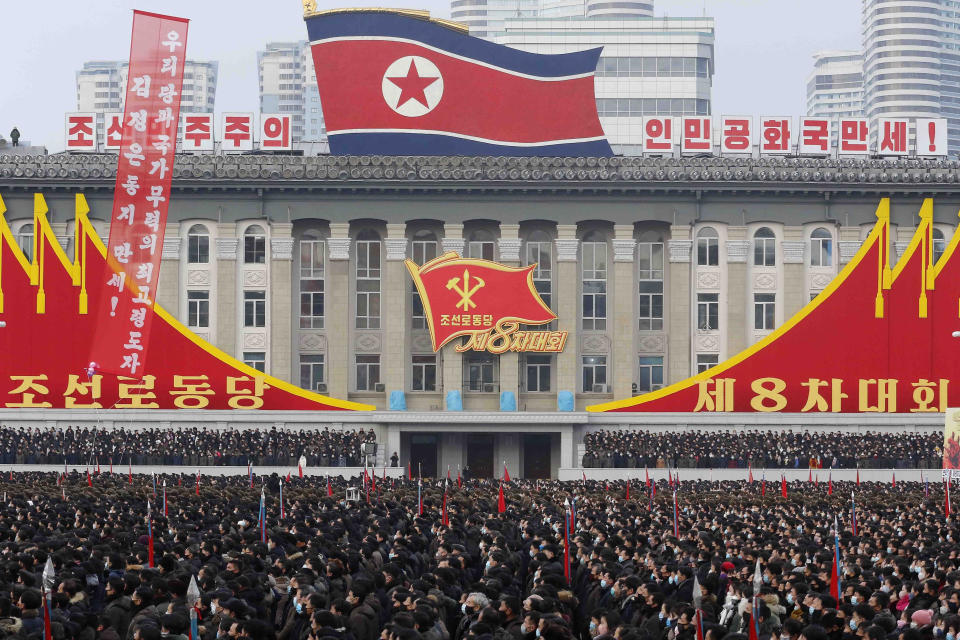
764, 311
254, 309
634, 107
653, 67
481, 372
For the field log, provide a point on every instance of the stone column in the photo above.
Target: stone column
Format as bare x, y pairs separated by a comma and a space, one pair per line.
567, 307
338, 311
681, 323
739, 324
281, 300
795, 294
395, 310
624, 296
168, 293
225, 314
510, 361
452, 364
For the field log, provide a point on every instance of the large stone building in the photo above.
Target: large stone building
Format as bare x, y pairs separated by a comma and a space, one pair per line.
288, 84
657, 268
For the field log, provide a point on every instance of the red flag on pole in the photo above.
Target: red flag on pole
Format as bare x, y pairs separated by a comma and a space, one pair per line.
299, 470
179, 479
749, 473
893, 482
111, 466
89, 478
858, 476
628, 489
444, 519
763, 484
409, 472
130, 471
329, 488
584, 473
459, 480
289, 474
810, 476
501, 501
830, 484
506, 473
835, 574
646, 474
198, 481
946, 499
783, 485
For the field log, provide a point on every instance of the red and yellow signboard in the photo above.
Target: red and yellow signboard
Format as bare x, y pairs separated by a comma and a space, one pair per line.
485, 301
45, 344
875, 340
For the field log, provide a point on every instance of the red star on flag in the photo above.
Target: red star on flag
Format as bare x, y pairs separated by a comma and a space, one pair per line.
412, 86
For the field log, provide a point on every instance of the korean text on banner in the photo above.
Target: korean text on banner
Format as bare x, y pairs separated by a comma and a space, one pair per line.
142, 194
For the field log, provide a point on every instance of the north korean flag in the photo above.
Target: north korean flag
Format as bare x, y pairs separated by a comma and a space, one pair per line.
399, 83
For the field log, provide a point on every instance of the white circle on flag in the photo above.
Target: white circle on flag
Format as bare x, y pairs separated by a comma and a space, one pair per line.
412, 86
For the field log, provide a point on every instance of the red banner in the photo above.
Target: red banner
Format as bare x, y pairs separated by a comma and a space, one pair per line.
484, 300
876, 340
141, 197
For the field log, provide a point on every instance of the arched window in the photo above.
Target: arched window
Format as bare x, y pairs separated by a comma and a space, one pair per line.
198, 245
821, 248
538, 250
254, 245
424, 248
481, 245
764, 248
594, 281
939, 244
25, 240
312, 283
368, 280
708, 247
650, 281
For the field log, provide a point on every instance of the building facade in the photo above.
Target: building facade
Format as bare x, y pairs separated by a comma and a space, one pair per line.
101, 87
835, 86
288, 84
657, 268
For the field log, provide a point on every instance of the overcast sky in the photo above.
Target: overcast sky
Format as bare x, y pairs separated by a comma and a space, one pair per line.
763, 48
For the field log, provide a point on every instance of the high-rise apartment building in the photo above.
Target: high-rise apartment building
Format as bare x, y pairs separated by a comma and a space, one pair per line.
101, 85
288, 84
835, 86
649, 65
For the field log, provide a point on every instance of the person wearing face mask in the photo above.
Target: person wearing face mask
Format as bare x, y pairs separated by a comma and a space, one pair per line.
471, 607
144, 612
529, 626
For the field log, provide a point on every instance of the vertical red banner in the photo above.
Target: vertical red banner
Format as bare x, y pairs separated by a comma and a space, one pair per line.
142, 194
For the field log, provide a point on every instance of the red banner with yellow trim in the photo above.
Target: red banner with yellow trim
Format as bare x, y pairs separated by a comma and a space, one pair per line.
875, 340
485, 301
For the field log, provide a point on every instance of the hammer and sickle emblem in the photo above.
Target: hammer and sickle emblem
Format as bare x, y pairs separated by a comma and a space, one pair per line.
466, 292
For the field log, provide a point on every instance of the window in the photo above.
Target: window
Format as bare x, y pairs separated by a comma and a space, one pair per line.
25, 240
764, 311
368, 372
423, 250
764, 248
256, 360
198, 245
254, 308
708, 312
254, 245
539, 251
939, 244
708, 247
368, 280
594, 281
311, 370
594, 374
481, 246
706, 360
198, 309
538, 372
481, 372
311, 282
651, 374
424, 373
650, 276
821, 248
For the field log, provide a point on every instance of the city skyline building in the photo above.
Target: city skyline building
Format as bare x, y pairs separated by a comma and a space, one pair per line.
835, 85
288, 84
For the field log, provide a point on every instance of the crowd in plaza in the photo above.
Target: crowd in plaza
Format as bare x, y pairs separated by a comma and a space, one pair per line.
782, 448
177, 445
400, 565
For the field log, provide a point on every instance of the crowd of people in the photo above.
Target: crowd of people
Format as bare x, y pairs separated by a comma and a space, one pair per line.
189, 446
782, 448
411, 561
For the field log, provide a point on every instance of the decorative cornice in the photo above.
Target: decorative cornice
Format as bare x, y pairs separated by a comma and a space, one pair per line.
396, 248
338, 248
679, 250
792, 251
171, 248
281, 248
227, 248
848, 249
737, 250
900, 248
510, 249
566, 249
623, 249
453, 244
259, 170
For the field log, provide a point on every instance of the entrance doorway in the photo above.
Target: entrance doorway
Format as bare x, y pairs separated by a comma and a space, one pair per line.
480, 454
423, 454
535, 454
